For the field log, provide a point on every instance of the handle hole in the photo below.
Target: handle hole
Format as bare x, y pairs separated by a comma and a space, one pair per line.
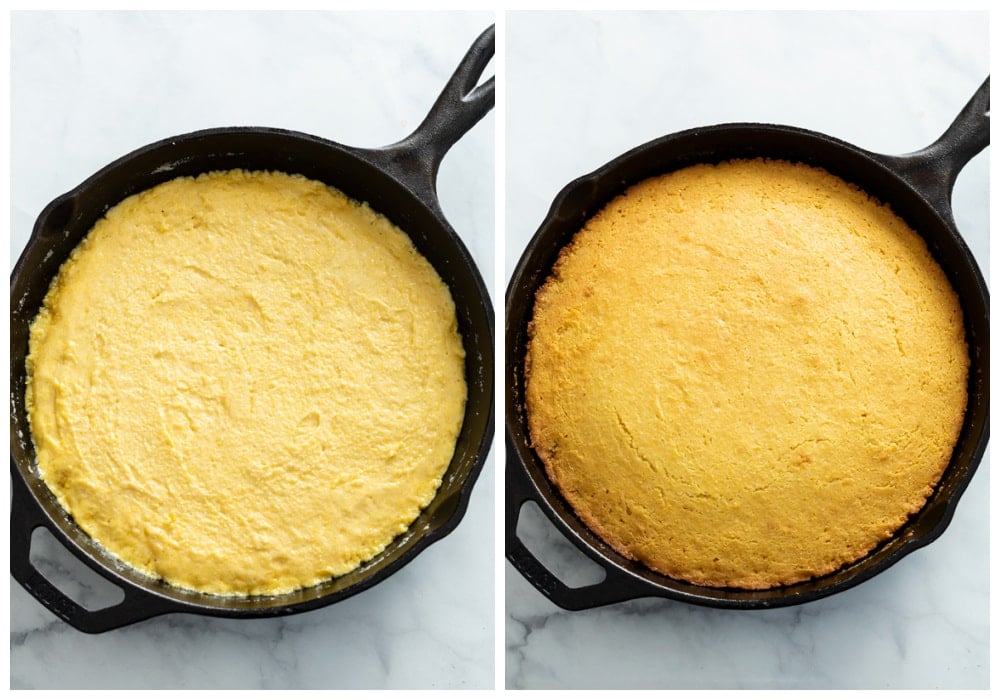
72, 577
488, 72
554, 551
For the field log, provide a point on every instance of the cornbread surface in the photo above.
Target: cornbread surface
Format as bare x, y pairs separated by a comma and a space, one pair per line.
245, 383
746, 374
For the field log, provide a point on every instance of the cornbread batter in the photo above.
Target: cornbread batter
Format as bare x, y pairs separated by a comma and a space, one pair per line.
746, 375
245, 383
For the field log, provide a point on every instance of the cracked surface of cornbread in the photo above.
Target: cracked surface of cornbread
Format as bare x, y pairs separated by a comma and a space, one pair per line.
245, 382
746, 374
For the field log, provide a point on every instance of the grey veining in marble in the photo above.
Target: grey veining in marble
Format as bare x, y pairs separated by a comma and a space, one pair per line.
585, 88
88, 88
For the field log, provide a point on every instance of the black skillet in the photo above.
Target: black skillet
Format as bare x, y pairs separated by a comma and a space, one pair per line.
400, 182
917, 186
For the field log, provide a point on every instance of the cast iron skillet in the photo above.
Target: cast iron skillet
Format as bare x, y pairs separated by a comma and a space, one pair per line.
400, 182
918, 187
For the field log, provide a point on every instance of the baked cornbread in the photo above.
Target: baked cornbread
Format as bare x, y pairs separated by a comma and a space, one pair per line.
746, 374
245, 382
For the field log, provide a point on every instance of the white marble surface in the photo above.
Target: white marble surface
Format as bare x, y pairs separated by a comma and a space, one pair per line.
582, 89
88, 88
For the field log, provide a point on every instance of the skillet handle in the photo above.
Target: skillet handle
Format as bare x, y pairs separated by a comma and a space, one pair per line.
462, 103
25, 517
614, 588
933, 170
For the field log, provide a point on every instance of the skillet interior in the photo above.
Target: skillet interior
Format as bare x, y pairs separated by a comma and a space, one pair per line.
584, 197
64, 223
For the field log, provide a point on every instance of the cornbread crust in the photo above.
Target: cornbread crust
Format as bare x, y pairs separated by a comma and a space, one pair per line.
746, 374
245, 383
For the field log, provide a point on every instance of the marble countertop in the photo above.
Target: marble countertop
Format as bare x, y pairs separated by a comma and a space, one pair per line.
582, 89
88, 88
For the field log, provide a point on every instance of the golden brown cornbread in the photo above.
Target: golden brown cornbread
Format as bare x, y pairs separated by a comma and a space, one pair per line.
746, 374
245, 383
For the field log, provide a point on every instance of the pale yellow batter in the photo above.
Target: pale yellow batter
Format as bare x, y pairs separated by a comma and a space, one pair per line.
747, 374
245, 383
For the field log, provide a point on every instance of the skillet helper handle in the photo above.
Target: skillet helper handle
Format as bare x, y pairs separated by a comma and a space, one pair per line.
933, 170
614, 588
26, 516
462, 103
